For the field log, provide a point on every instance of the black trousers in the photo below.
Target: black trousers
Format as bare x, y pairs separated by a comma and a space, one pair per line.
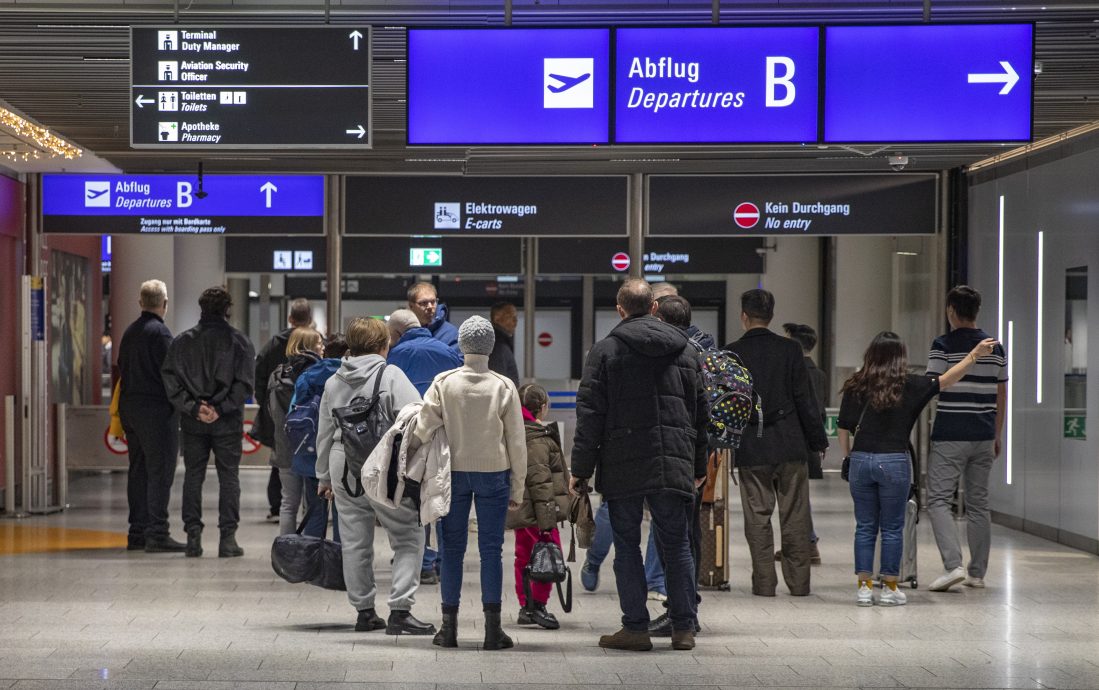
274, 491
152, 438
226, 448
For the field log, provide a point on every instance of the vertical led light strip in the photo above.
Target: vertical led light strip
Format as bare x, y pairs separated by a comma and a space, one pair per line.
1041, 314
1000, 279
1010, 406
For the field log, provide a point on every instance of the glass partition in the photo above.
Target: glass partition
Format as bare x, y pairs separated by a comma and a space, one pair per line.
1076, 352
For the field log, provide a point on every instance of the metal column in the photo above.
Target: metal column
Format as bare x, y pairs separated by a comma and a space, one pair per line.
587, 314
334, 251
637, 241
530, 266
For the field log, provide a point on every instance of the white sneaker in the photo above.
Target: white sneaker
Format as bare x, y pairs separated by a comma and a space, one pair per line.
948, 579
865, 596
974, 582
892, 597
657, 596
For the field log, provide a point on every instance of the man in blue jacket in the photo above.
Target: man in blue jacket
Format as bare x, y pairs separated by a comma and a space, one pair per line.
422, 356
423, 301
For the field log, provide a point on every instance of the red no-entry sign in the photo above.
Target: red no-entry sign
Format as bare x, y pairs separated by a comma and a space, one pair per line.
620, 261
746, 215
545, 339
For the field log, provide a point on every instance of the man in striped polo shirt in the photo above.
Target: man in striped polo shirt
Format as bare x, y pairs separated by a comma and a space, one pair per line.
965, 440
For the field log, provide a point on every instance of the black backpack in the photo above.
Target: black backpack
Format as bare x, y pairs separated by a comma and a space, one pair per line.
280, 389
362, 424
547, 564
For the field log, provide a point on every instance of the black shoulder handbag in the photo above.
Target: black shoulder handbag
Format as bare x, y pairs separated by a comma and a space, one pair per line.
547, 564
318, 561
845, 468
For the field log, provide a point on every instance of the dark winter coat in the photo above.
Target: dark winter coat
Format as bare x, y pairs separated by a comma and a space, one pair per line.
791, 418
212, 363
502, 358
641, 412
546, 501
140, 357
441, 328
270, 356
422, 357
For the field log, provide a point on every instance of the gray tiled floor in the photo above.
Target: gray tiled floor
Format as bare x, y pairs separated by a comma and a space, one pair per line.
111, 619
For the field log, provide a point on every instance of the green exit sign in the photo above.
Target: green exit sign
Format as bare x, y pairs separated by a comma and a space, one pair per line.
1074, 427
425, 256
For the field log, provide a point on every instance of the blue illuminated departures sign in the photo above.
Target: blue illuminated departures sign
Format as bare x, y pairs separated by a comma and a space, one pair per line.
176, 205
716, 85
508, 86
928, 83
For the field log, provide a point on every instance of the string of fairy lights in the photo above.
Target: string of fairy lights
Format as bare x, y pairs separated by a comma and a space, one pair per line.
39, 142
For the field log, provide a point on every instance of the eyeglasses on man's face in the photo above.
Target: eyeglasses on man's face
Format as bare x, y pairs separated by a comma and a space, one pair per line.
427, 303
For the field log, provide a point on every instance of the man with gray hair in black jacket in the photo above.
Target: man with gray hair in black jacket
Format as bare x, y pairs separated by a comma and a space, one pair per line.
641, 418
208, 375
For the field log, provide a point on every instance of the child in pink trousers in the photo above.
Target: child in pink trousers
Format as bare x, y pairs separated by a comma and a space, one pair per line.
545, 503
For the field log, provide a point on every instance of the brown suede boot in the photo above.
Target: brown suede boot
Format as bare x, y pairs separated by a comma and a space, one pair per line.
627, 641
683, 640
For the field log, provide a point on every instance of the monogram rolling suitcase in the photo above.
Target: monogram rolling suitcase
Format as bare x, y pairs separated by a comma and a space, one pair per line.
713, 570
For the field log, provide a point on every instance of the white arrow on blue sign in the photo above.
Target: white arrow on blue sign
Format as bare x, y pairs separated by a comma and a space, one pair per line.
928, 83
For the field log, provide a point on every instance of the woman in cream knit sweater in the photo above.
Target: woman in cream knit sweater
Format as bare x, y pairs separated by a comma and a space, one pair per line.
481, 413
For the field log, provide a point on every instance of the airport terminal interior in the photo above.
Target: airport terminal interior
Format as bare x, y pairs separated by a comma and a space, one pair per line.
857, 160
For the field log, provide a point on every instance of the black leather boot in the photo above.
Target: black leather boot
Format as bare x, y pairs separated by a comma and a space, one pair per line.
495, 638
194, 543
448, 632
228, 547
368, 620
404, 623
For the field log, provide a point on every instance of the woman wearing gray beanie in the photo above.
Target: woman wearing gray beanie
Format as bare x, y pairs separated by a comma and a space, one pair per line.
481, 413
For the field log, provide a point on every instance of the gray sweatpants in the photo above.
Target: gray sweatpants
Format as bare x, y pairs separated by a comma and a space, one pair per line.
406, 537
946, 464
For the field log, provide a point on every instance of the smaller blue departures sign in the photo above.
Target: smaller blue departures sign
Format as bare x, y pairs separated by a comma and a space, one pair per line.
508, 86
928, 83
716, 85
178, 205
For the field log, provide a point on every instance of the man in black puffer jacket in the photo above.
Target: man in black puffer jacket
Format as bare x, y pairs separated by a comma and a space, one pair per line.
208, 374
640, 428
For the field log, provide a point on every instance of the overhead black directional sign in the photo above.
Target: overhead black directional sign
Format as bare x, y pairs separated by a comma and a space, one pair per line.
764, 205
446, 205
218, 87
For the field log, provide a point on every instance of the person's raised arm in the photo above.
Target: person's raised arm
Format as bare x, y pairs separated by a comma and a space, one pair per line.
958, 371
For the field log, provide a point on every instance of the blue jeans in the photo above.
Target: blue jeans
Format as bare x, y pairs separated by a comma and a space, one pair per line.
318, 518
490, 490
670, 513
432, 557
601, 548
879, 486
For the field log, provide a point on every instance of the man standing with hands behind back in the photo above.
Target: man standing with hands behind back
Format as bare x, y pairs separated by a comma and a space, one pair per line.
208, 377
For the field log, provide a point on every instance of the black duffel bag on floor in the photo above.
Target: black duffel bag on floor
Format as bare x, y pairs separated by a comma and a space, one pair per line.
298, 558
